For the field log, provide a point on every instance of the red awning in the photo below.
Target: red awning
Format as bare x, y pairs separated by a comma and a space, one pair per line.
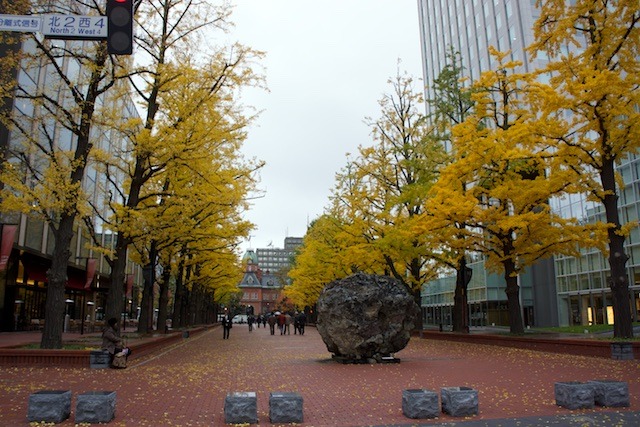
36, 269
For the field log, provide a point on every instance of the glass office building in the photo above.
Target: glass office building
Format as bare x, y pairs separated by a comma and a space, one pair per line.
561, 291
23, 279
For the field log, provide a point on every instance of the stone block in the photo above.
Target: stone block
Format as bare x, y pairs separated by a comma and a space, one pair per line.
241, 408
622, 350
96, 407
99, 359
285, 408
53, 406
609, 393
419, 403
459, 401
574, 395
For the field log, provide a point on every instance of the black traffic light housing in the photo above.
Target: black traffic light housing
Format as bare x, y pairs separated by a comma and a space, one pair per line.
120, 27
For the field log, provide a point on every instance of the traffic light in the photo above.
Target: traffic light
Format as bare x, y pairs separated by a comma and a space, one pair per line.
120, 27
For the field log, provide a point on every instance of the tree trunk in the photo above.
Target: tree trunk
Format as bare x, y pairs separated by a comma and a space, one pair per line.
184, 306
187, 301
516, 324
178, 319
193, 305
56, 282
163, 299
145, 324
619, 279
197, 305
460, 301
114, 304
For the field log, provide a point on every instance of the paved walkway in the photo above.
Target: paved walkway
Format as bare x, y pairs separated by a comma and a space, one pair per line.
185, 384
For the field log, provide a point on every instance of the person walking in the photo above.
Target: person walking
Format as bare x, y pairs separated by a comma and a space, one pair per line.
250, 322
226, 326
272, 324
301, 319
287, 324
281, 320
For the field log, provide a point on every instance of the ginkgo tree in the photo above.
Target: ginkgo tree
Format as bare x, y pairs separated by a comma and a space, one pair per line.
318, 261
380, 194
171, 35
450, 106
205, 182
396, 173
591, 109
500, 184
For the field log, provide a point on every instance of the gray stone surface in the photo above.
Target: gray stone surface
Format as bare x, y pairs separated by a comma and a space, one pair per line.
622, 351
574, 395
366, 317
285, 408
610, 393
419, 403
99, 359
96, 407
241, 408
53, 406
459, 401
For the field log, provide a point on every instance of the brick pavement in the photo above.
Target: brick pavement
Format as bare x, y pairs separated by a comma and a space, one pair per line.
185, 384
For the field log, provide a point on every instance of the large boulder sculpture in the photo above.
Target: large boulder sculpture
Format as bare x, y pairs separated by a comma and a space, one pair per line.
366, 317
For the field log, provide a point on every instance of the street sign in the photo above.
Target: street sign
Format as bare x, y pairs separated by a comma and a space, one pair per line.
74, 27
21, 23
66, 27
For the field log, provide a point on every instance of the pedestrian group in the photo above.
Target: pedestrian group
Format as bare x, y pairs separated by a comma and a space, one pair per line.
276, 318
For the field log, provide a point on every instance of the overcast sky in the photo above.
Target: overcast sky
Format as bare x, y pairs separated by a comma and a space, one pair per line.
327, 65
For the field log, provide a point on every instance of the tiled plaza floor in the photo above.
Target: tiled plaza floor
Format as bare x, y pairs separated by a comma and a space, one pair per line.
185, 384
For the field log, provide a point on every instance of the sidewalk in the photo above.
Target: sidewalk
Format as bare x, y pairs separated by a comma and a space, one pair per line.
185, 384
13, 339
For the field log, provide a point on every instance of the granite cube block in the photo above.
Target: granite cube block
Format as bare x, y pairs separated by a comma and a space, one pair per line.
53, 406
622, 350
459, 401
574, 395
96, 407
241, 408
609, 393
285, 407
419, 403
99, 359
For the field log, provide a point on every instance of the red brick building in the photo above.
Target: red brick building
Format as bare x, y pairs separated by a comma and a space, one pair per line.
260, 290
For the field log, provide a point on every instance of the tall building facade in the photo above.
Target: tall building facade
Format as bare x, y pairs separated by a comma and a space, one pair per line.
276, 259
264, 275
558, 291
27, 241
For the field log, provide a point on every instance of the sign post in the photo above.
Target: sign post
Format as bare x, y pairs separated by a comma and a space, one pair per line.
20, 23
74, 27
67, 27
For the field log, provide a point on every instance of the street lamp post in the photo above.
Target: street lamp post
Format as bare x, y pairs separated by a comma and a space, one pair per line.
66, 316
90, 304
